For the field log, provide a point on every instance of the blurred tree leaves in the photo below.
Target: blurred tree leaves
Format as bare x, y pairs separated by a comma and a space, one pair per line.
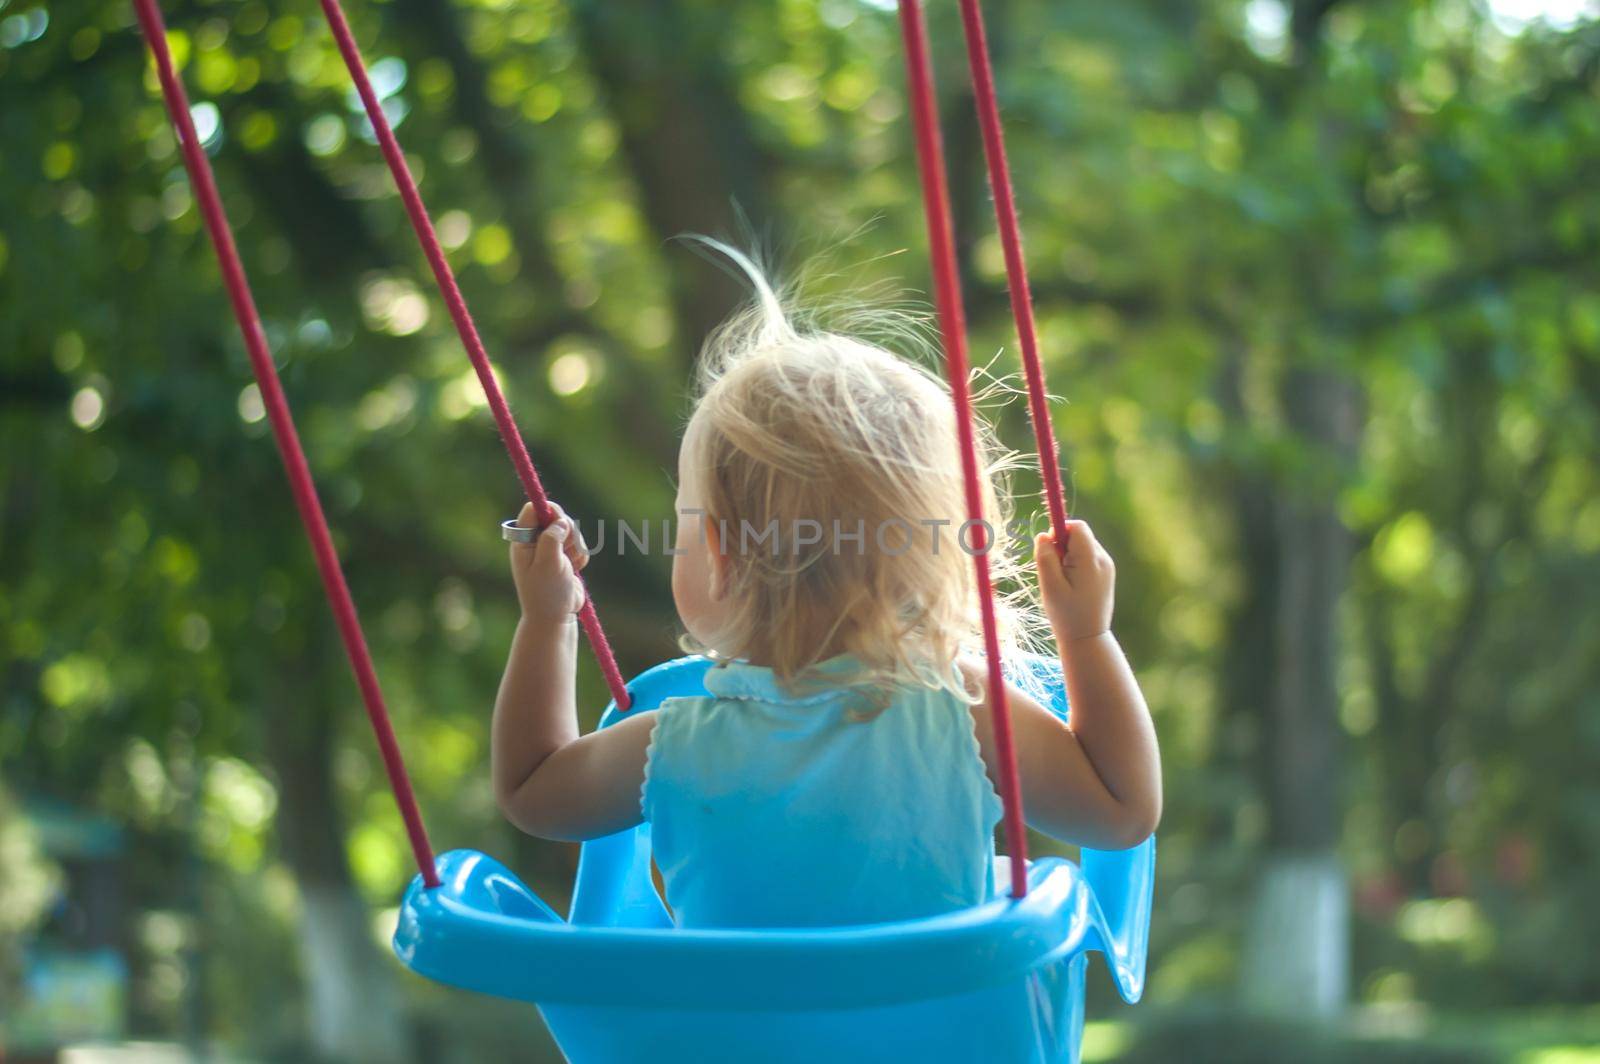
1210, 205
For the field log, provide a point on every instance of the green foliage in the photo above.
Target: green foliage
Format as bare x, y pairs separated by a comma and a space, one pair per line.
28, 882
1396, 198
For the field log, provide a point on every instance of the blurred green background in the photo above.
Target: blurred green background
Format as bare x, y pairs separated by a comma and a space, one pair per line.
1317, 281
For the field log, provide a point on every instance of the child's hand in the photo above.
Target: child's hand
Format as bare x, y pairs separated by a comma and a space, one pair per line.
1078, 587
546, 570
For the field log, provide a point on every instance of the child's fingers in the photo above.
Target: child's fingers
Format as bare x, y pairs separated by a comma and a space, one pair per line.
526, 518
577, 548
559, 545
550, 549
577, 553
1051, 566
1083, 549
1080, 541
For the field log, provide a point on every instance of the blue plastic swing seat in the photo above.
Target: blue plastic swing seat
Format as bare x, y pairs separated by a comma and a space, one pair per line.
617, 982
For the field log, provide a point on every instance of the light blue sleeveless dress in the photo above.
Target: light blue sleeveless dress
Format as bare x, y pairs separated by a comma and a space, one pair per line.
772, 808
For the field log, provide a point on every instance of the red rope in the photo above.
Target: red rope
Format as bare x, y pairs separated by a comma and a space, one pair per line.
953, 327
445, 277
283, 431
1005, 211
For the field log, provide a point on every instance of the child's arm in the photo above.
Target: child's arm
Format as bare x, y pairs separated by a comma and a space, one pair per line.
548, 780
1097, 780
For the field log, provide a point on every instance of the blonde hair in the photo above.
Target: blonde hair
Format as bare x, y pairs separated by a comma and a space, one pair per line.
801, 428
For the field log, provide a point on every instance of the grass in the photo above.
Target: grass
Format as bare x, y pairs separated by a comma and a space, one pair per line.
1414, 1036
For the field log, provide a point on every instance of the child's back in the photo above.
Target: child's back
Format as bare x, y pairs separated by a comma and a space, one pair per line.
839, 772
772, 808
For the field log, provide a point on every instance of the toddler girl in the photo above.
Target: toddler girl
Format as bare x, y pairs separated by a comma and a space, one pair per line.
840, 768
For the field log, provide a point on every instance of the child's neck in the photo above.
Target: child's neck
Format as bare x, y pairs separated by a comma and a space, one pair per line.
764, 655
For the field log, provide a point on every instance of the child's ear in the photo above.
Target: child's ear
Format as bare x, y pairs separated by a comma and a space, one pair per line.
718, 556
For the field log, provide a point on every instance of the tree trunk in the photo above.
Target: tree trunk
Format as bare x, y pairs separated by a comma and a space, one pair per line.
510, 165
1296, 962
353, 1004
685, 136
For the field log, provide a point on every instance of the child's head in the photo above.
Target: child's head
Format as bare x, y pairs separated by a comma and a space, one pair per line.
828, 474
